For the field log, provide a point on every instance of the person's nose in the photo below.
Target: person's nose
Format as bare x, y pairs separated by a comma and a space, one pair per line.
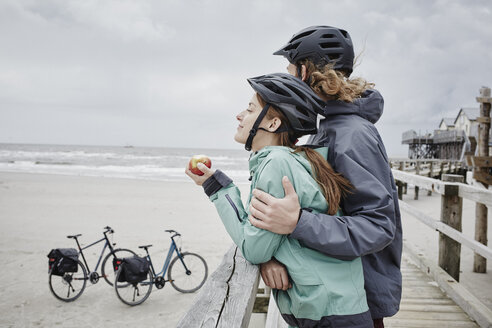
239, 117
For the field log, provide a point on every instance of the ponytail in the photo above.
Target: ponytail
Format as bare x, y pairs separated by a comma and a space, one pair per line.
332, 84
333, 185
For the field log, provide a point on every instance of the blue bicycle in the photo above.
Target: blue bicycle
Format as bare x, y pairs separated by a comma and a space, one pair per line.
186, 272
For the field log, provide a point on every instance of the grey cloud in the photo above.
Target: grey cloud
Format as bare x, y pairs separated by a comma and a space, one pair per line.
145, 68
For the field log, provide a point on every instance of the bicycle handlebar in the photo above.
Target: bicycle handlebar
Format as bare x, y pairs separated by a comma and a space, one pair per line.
175, 233
108, 229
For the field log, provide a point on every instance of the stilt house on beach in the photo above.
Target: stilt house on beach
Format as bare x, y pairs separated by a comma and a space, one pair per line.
455, 138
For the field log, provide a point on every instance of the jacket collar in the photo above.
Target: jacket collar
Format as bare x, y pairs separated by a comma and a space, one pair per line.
257, 157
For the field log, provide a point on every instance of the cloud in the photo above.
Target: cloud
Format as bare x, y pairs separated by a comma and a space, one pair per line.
154, 63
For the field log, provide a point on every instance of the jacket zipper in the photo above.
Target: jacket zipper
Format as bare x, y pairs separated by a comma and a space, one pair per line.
233, 207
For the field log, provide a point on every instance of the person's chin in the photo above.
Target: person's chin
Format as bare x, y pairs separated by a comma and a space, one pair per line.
238, 139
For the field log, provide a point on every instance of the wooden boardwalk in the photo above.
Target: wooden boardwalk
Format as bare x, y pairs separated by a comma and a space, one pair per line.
424, 304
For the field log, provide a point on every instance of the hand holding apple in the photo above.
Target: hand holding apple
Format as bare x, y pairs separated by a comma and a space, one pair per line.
192, 165
198, 171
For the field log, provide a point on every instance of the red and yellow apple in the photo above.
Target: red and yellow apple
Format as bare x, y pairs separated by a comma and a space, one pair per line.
192, 165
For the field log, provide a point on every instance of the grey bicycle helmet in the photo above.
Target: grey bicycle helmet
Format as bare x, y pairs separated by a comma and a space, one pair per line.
322, 45
293, 98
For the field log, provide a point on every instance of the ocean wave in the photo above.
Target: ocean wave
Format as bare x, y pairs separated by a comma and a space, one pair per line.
147, 172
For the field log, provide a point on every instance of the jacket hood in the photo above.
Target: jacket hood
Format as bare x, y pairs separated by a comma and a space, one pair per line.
369, 106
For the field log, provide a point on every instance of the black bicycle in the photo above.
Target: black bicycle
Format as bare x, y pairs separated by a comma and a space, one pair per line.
186, 272
68, 282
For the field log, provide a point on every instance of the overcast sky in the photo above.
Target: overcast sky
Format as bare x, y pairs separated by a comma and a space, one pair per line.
173, 73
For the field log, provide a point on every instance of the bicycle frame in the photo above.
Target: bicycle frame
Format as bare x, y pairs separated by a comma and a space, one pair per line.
173, 248
106, 244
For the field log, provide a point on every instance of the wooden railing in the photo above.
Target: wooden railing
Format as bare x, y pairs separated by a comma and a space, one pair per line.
426, 167
450, 236
227, 298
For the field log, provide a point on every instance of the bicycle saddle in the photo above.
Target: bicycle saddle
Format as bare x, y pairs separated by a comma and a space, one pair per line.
74, 236
145, 246
170, 231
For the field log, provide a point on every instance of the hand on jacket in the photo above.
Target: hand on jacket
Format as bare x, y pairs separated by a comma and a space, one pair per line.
274, 274
278, 215
200, 179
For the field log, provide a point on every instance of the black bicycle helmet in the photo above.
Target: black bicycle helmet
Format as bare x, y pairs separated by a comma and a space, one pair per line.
322, 45
293, 98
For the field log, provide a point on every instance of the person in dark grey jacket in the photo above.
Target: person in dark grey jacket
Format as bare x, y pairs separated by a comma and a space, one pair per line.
371, 227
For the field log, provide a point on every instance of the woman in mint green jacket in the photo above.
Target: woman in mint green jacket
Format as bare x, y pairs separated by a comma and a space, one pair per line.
326, 292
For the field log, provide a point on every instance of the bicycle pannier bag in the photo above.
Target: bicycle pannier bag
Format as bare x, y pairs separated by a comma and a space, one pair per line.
117, 264
136, 269
62, 260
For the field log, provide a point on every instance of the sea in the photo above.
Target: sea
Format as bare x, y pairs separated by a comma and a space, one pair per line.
149, 163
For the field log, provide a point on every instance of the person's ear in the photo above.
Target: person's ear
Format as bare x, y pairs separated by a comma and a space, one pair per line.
274, 124
303, 72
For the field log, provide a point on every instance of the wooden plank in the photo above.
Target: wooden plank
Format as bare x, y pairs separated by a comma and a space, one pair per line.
463, 298
449, 316
481, 161
422, 182
484, 99
441, 308
476, 194
423, 301
227, 297
395, 322
450, 232
483, 177
243, 286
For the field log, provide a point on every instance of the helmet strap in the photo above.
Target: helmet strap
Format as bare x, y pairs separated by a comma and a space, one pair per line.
255, 128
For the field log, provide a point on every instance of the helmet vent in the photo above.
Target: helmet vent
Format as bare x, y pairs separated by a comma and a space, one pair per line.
275, 89
292, 46
303, 111
333, 56
344, 33
302, 35
297, 92
327, 36
327, 45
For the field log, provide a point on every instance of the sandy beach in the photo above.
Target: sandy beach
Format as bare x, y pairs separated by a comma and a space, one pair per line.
38, 211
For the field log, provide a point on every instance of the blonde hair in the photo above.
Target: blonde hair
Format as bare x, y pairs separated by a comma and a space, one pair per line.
333, 185
333, 84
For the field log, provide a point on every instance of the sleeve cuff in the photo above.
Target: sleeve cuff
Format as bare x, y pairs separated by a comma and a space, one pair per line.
305, 216
216, 182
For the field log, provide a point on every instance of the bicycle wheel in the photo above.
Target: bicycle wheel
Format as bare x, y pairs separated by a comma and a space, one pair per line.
187, 281
133, 294
70, 286
107, 270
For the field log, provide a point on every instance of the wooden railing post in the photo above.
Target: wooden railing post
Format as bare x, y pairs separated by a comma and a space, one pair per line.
481, 212
399, 184
451, 212
431, 175
417, 172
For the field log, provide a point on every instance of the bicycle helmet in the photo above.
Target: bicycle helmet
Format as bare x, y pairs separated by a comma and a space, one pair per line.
322, 45
293, 98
